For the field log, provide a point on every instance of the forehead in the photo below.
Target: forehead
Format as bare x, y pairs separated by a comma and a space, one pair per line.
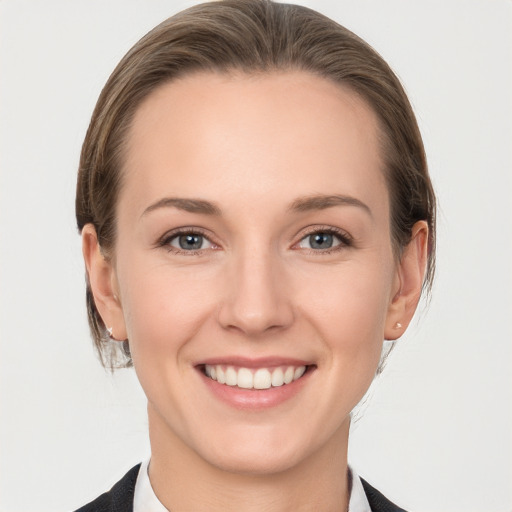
274, 134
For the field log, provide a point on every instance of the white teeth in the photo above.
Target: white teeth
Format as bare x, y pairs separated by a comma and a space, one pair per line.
231, 376
288, 374
245, 379
299, 372
277, 377
221, 376
262, 378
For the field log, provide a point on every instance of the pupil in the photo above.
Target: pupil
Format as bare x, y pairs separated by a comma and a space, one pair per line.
320, 241
189, 242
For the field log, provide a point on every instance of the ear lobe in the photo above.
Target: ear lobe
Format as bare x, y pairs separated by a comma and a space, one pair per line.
103, 284
409, 277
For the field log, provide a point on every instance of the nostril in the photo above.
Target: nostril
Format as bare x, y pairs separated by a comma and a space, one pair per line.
255, 319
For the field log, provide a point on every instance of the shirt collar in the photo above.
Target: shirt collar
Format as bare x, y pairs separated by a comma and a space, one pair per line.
144, 499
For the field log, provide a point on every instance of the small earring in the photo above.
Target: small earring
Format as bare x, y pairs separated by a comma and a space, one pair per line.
110, 332
398, 325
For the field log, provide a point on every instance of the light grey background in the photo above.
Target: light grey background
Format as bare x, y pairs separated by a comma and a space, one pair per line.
436, 431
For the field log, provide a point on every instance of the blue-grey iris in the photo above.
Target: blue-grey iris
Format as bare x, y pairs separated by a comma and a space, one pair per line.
321, 241
191, 242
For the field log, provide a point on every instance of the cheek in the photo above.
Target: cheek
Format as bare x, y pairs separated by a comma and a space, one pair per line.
163, 307
350, 311
355, 294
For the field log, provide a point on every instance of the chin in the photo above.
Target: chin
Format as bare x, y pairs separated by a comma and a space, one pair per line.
261, 463
254, 454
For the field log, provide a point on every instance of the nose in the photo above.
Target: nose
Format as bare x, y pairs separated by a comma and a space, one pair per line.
256, 298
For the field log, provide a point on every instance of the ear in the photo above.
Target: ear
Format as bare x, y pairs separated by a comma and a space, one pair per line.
409, 277
103, 283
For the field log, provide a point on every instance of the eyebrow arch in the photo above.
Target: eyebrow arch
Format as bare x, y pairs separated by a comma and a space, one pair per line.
189, 205
321, 202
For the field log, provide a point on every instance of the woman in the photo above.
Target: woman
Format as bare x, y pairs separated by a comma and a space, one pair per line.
257, 217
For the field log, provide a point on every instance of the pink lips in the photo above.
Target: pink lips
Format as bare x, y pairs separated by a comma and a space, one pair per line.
262, 362
255, 399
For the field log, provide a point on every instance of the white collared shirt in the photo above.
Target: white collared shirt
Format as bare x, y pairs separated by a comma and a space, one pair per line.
145, 499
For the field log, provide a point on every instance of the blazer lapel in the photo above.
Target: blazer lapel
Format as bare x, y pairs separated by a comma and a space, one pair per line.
119, 498
379, 502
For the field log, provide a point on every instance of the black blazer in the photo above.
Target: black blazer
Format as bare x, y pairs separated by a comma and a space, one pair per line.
120, 497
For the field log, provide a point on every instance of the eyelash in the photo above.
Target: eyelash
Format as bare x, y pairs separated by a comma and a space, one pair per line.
165, 241
344, 238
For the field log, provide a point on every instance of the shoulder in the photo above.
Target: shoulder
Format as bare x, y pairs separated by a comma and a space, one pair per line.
378, 502
119, 498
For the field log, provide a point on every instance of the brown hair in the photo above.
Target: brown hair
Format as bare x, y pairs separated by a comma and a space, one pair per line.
249, 36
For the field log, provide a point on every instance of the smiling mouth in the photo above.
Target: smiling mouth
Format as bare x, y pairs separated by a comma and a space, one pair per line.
260, 378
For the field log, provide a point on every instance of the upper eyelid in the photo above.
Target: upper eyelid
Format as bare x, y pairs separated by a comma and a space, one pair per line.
310, 230
346, 241
173, 233
303, 233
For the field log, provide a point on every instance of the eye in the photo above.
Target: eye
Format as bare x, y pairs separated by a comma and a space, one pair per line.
187, 242
324, 240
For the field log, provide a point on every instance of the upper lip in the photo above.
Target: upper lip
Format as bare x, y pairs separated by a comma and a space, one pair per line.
260, 362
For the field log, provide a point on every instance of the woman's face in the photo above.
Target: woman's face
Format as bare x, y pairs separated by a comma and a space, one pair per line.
253, 246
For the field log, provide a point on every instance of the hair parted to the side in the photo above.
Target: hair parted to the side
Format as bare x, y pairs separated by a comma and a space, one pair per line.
251, 36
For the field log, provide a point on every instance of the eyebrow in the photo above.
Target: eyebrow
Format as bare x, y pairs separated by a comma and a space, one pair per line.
321, 202
302, 204
188, 205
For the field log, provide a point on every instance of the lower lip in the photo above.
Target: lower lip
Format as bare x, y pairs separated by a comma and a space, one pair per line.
255, 399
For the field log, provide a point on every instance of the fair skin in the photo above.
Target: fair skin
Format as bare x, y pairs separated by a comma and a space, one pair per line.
281, 256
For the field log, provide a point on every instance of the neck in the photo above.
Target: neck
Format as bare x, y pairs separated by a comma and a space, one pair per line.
182, 480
